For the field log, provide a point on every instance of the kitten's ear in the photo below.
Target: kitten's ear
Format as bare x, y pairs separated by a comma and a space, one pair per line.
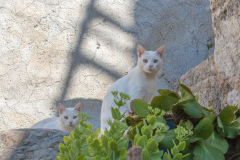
78, 107
61, 108
160, 51
140, 50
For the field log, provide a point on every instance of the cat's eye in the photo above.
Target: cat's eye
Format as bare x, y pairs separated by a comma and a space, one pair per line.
66, 117
74, 117
145, 60
155, 61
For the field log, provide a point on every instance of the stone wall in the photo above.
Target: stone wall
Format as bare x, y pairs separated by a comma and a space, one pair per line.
218, 79
70, 51
30, 144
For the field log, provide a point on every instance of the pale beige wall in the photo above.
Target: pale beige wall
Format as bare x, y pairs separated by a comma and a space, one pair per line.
70, 51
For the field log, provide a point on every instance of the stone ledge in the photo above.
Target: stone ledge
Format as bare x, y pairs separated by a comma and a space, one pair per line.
31, 144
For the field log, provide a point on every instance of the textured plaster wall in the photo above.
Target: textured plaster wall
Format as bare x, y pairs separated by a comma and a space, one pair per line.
70, 51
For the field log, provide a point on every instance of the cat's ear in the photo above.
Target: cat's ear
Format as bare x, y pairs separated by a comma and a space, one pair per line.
140, 50
160, 51
61, 108
78, 107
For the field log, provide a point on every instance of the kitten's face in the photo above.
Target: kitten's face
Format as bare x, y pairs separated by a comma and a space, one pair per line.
150, 61
69, 115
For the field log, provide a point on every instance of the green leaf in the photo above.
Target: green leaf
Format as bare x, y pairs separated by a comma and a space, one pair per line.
62, 147
97, 133
190, 107
152, 145
113, 145
204, 128
169, 137
151, 119
142, 141
81, 157
123, 143
237, 113
234, 108
115, 113
156, 155
181, 146
174, 150
227, 115
194, 139
209, 115
178, 156
218, 142
163, 102
104, 140
203, 151
189, 125
169, 93
140, 107
66, 139
95, 145
232, 129
148, 131
186, 93
145, 154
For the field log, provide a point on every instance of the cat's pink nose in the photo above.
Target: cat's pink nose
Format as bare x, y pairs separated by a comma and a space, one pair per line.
150, 66
70, 122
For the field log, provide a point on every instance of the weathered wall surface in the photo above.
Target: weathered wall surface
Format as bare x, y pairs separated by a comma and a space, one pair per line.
70, 51
217, 79
30, 144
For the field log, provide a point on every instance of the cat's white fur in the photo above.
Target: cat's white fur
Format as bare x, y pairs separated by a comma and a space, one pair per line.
139, 83
65, 122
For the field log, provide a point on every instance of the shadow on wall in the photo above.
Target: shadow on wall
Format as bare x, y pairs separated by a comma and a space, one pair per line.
78, 58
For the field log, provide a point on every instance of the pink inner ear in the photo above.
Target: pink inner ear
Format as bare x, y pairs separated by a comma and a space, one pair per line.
160, 51
140, 50
78, 107
61, 108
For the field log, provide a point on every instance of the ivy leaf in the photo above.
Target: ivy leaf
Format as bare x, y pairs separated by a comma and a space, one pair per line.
191, 107
209, 115
206, 152
156, 155
169, 137
218, 142
186, 93
163, 102
169, 93
231, 130
140, 107
227, 115
204, 128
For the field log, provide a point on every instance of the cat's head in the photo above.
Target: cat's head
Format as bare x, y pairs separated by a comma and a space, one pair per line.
150, 61
69, 115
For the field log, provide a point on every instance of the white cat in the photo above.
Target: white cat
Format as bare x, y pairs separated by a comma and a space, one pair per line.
139, 83
65, 122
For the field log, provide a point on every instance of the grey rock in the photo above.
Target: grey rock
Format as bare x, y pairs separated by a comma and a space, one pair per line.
17, 144
217, 79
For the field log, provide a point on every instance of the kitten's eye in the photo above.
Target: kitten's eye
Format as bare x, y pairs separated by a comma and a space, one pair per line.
155, 61
66, 117
74, 117
145, 60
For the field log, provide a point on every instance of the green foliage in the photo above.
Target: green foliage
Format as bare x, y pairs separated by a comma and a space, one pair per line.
147, 127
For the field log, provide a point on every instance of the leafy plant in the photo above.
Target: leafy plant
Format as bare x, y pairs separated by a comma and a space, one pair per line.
208, 130
199, 133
